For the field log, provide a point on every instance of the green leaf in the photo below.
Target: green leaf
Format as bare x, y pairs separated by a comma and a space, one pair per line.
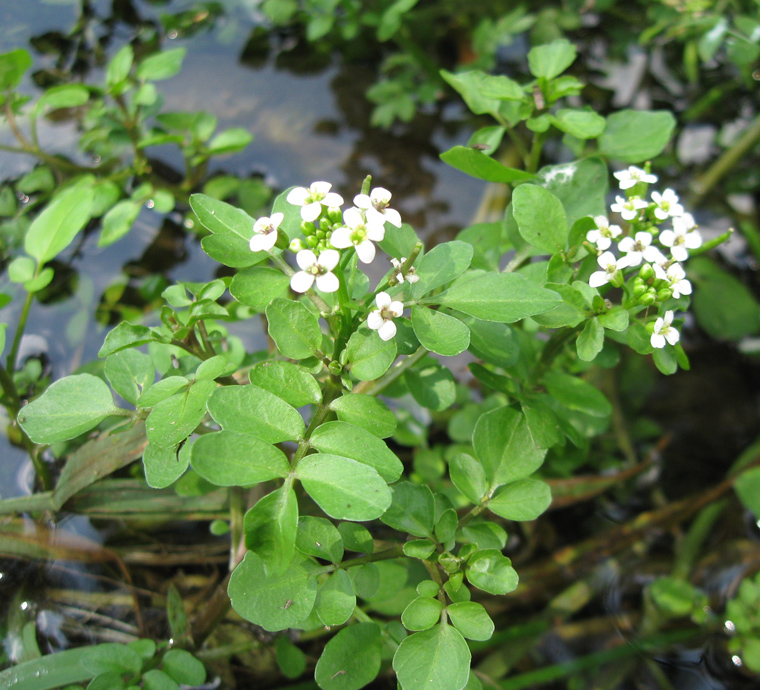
351, 659
123, 336
230, 141
319, 537
725, 308
522, 500
471, 619
581, 186
368, 355
412, 509
270, 528
275, 602
441, 265
421, 613
616, 319
287, 381
473, 86
581, 124
232, 228
468, 476
118, 222
120, 65
161, 65
111, 657
175, 418
63, 96
398, 242
356, 537
432, 385
294, 329
257, 412
230, 251
491, 571
69, 407
21, 269
437, 658
505, 447
550, 60
130, 372
635, 136
158, 680
439, 332
182, 667
492, 342
55, 228
367, 412
501, 297
290, 659
164, 465
343, 488
577, 394
540, 218
419, 548
13, 65
257, 287
747, 487
543, 426
336, 599
161, 390
349, 441
476, 164
590, 340
227, 458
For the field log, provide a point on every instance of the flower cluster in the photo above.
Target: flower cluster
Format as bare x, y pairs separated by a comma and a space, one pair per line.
326, 230
657, 253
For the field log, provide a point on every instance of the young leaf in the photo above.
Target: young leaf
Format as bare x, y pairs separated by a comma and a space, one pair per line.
275, 602
421, 613
439, 332
356, 537
164, 465
505, 447
161, 65
540, 218
293, 328
437, 658
432, 385
351, 659
441, 265
270, 529
577, 394
349, 441
54, 229
130, 372
125, 335
319, 537
471, 619
175, 418
502, 297
287, 381
590, 340
69, 407
522, 500
477, 164
365, 411
412, 509
368, 355
550, 60
230, 141
257, 287
290, 659
232, 228
493, 342
343, 488
118, 222
226, 458
182, 667
468, 476
491, 571
257, 412
581, 186
622, 138
13, 65
336, 599
581, 124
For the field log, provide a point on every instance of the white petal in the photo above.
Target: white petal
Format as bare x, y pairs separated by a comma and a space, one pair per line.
365, 251
654, 255
659, 272
668, 317
382, 300
667, 238
657, 340
311, 211
352, 217
328, 282
306, 259
362, 201
672, 336
333, 200
329, 259
301, 281
644, 238
276, 218
626, 244
676, 272
375, 231
381, 195
615, 230
393, 217
320, 188
396, 308
341, 238
387, 330
693, 240
263, 243
679, 253
606, 259
297, 196
598, 278
374, 320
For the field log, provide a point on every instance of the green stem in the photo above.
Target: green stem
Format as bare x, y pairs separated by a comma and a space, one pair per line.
10, 362
535, 152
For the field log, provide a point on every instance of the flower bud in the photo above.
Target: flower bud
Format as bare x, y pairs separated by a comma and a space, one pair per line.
646, 272
312, 241
307, 228
297, 245
324, 224
650, 327
321, 234
648, 299
664, 294
334, 214
637, 281
639, 290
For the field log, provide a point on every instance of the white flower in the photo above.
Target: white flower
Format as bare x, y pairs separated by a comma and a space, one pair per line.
312, 200
604, 234
628, 208
667, 205
681, 238
676, 277
609, 266
265, 230
360, 233
411, 275
381, 319
318, 269
629, 178
639, 248
376, 204
663, 330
